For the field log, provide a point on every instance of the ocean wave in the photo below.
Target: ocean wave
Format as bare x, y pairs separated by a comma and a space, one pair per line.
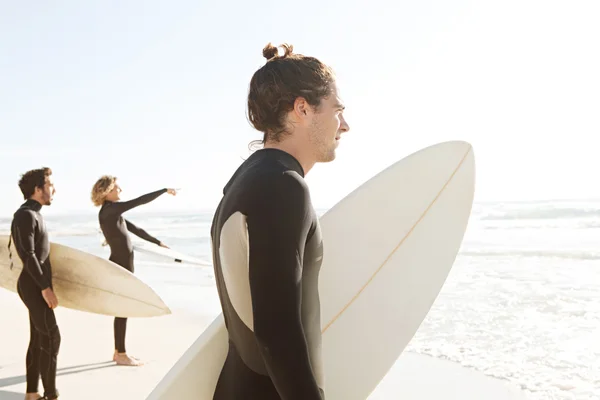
573, 255
542, 213
70, 233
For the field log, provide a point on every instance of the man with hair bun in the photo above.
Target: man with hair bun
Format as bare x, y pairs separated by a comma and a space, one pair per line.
266, 239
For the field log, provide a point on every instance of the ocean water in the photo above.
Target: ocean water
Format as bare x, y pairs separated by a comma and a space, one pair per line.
522, 302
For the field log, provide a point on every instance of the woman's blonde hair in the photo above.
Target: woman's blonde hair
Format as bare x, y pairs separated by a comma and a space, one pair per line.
101, 188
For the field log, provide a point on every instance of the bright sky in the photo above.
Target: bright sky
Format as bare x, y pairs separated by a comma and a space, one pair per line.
154, 92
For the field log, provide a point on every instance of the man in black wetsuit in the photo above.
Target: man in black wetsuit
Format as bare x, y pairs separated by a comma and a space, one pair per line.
28, 231
106, 194
266, 240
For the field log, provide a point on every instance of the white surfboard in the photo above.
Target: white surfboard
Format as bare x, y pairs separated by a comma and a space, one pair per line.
168, 254
86, 282
389, 247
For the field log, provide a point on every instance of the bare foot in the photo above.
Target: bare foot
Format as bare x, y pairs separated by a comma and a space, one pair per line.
32, 396
116, 354
124, 359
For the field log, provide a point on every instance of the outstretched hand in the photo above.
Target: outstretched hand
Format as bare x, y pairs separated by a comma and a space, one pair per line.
172, 191
163, 245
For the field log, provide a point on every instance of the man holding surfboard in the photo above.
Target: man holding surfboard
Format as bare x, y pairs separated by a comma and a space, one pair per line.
34, 286
106, 195
266, 238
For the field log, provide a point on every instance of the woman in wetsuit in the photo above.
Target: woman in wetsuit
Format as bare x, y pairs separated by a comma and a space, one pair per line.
105, 194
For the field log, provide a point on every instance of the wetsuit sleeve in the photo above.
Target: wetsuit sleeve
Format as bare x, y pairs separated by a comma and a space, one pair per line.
278, 224
123, 206
140, 232
25, 225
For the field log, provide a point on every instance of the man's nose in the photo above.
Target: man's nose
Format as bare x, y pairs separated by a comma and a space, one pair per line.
344, 127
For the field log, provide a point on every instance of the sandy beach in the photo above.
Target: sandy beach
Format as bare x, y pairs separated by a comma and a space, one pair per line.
85, 369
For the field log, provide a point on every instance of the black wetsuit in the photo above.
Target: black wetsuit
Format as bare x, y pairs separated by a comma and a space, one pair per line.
28, 231
267, 253
115, 229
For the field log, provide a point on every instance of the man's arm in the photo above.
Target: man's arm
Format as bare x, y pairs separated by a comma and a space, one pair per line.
123, 206
277, 228
141, 233
24, 227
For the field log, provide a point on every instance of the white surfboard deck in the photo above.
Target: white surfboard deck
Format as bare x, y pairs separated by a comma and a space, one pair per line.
168, 254
389, 247
86, 282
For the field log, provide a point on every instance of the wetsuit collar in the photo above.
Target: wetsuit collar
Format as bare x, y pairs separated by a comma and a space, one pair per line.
33, 204
284, 157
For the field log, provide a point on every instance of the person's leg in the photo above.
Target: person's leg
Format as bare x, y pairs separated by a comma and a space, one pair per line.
48, 335
32, 363
32, 359
120, 356
120, 327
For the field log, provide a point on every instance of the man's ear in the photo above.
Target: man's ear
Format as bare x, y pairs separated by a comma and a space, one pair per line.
301, 107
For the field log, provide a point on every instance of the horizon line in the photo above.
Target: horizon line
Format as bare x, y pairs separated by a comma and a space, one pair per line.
206, 209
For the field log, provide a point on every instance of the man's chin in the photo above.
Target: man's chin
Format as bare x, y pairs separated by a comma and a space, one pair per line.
328, 157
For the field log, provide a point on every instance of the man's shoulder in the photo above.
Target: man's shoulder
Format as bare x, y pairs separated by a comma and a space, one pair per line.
280, 191
25, 219
25, 213
276, 179
264, 182
267, 174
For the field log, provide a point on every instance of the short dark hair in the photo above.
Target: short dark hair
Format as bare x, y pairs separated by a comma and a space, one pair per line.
276, 85
32, 179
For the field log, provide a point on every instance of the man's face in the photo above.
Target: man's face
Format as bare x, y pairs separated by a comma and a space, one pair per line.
46, 193
327, 126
